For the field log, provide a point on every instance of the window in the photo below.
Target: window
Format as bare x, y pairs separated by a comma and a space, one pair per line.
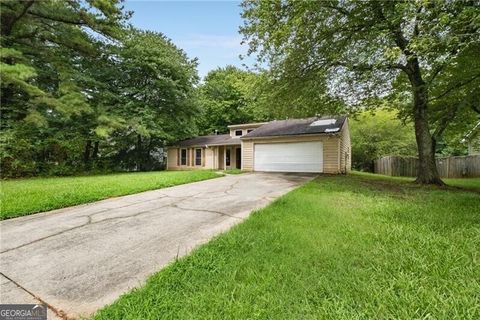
249, 130
198, 157
238, 132
183, 157
227, 157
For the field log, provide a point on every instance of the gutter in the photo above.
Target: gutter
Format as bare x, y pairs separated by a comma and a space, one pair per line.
293, 135
206, 145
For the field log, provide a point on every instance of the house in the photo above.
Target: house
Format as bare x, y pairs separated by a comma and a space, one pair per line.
474, 146
472, 139
319, 144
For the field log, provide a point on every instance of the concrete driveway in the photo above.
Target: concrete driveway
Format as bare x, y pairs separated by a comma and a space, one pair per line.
78, 259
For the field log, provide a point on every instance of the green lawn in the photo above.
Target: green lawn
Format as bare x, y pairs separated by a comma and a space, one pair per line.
233, 171
356, 247
27, 196
471, 183
466, 183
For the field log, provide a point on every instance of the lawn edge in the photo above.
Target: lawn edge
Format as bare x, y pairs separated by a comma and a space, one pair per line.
36, 213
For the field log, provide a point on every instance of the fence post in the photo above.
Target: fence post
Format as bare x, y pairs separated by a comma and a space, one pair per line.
448, 167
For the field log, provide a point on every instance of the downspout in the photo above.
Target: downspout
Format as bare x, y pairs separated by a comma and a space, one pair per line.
339, 155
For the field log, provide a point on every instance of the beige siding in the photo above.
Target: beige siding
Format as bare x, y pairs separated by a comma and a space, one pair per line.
330, 154
345, 149
330, 150
247, 155
209, 154
172, 154
173, 161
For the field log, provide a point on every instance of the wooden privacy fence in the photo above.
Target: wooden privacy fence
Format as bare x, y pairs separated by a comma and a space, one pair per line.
449, 167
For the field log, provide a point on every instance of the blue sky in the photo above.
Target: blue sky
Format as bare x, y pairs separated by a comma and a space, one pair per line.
206, 30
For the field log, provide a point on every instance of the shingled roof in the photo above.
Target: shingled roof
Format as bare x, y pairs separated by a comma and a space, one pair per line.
315, 125
218, 139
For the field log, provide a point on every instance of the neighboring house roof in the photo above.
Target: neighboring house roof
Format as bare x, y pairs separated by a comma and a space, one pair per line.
218, 139
315, 125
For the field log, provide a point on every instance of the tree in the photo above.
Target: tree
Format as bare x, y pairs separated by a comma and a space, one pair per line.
147, 97
42, 45
378, 134
81, 91
228, 96
424, 53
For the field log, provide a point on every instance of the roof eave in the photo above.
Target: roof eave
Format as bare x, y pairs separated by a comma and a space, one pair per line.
293, 135
206, 145
246, 125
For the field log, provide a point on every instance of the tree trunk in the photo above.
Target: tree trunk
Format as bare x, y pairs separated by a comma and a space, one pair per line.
139, 153
95, 150
86, 153
427, 172
427, 169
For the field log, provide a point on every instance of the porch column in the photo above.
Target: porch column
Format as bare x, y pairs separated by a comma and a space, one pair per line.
215, 157
225, 158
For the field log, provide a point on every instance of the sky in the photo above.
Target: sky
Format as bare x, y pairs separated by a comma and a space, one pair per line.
207, 30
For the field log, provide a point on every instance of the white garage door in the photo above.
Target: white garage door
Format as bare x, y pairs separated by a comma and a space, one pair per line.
289, 157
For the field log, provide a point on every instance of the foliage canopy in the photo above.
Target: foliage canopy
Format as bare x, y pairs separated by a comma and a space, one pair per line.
81, 90
229, 96
419, 55
378, 134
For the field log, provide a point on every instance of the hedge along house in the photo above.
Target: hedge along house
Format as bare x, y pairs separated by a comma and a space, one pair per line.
294, 145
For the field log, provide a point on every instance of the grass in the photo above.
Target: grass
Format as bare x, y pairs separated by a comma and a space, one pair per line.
470, 183
466, 183
233, 171
26, 196
339, 247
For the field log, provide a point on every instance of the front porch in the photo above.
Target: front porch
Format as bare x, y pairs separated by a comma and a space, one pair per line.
210, 157
227, 157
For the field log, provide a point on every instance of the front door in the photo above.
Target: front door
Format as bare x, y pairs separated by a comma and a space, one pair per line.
238, 157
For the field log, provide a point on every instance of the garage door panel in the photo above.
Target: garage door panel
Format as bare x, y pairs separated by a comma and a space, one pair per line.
289, 157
